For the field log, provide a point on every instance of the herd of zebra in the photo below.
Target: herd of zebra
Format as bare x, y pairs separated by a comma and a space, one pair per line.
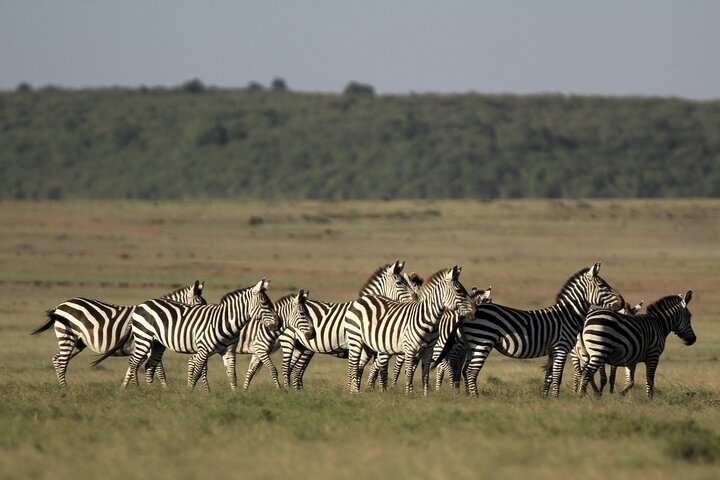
434, 322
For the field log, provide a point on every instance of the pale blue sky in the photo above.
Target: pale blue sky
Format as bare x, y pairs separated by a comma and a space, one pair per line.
610, 47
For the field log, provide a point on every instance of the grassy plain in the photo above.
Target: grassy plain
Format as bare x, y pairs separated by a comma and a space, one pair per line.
124, 252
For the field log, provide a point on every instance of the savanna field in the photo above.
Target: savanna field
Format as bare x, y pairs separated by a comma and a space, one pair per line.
124, 252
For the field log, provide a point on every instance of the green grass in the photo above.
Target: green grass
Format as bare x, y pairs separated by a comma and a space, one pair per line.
124, 252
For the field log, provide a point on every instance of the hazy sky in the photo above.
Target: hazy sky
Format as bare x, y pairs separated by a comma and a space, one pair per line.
613, 47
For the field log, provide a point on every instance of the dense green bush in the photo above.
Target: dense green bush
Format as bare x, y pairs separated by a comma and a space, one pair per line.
158, 143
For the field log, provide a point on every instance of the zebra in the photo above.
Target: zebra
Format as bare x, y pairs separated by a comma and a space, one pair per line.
201, 329
83, 322
578, 358
535, 333
260, 341
377, 324
622, 340
452, 361
452, 364
327, 319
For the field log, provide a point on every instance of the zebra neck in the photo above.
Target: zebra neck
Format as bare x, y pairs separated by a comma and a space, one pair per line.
233, 317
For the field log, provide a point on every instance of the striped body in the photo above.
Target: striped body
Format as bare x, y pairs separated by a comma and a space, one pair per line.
448, 350
81, 323
202, 329
375, 324
328, 321
535, 333
623, 340
578, 358
258, 340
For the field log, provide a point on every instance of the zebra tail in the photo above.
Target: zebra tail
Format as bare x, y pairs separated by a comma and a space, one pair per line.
112, 351
51, 321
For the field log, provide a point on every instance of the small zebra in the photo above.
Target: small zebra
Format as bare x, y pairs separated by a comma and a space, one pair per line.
327, 320
84, 322
536, 333
622, 340
200, 329
375, 324
260, 341
578, 358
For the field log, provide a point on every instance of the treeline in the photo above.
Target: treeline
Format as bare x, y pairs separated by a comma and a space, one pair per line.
272, 143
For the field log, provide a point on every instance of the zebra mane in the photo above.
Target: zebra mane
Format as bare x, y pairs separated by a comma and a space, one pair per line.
178, 290
569, 282
236, 293
664, 304
282, 300
375, 275
433, 280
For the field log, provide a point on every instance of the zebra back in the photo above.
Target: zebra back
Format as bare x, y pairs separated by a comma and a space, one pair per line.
389, 281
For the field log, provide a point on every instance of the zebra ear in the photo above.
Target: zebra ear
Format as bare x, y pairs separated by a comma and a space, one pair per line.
634, 310
688, 297
456, 272
397, 267
198, 286
595, 270
261, 286
302, 296
486, 297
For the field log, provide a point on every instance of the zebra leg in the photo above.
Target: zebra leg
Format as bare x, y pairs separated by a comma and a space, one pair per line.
613, 374
589, 372
397, 368
142, 348
156, 352
440, 373
353, 362
68, 350
557, 371
456, 368
373, 374
254, 366
548, 374
264, 356
629, 379
200, 368
365, 356
473, 365
426, 358
379, 369
160, 372
229, 359
299, 369
650, 367
577, 370
412, 363
603, 379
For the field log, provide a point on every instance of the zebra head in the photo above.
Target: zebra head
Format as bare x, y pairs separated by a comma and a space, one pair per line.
388, 281
445, 286
587, 288
673, 312
189, 295
449, 323
628, 310
292, 312
261, 307
481, 296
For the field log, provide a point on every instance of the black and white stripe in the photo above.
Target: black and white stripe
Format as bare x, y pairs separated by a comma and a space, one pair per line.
327, 320
535, 333
375, 324
578, 358
623, 340
101, 327
258, 340
202, 329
